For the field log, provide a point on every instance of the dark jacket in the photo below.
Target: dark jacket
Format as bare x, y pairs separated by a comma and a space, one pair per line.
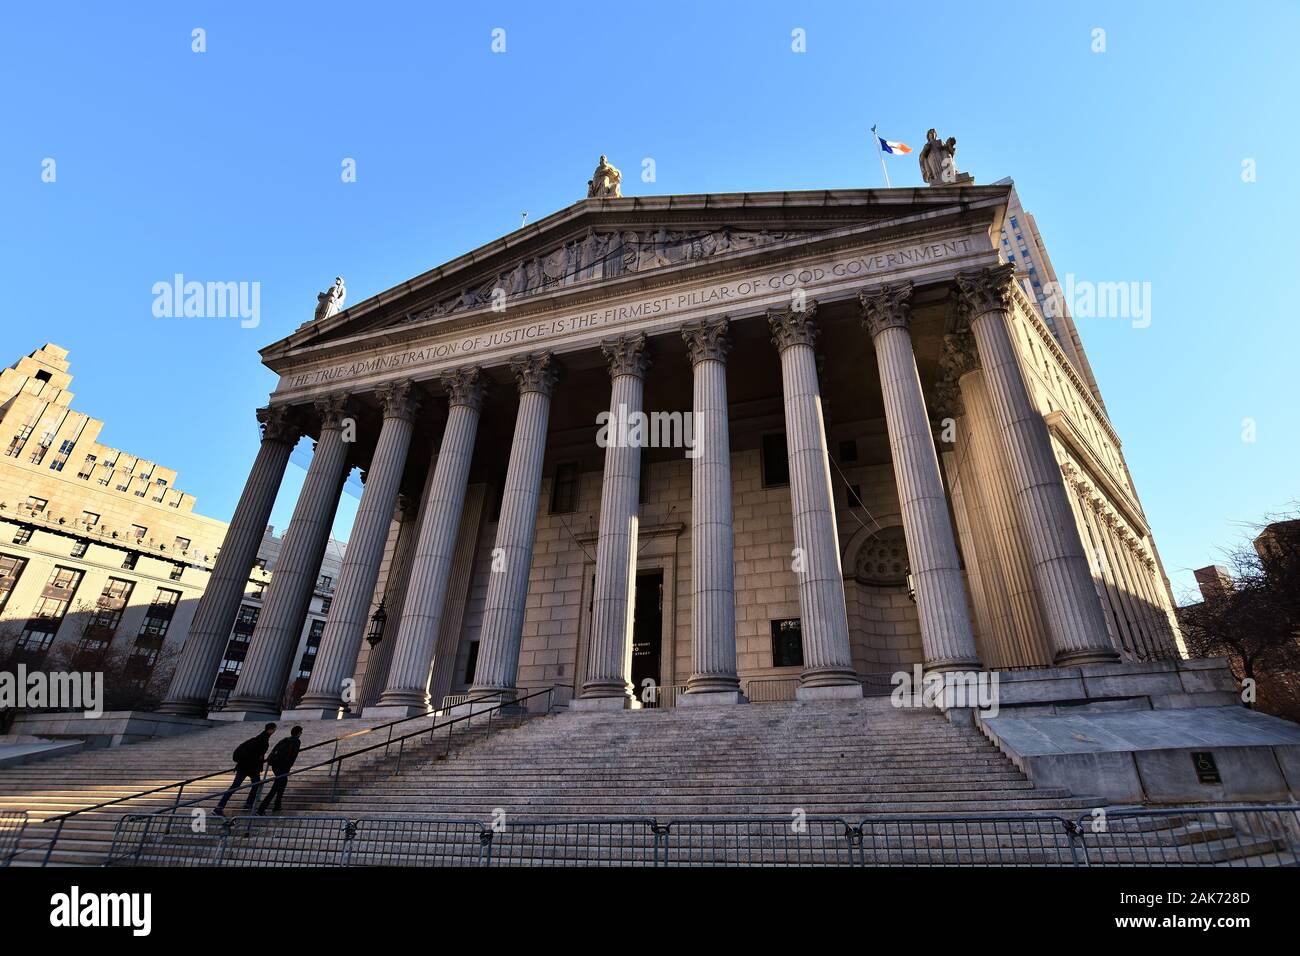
284, 754
248, 755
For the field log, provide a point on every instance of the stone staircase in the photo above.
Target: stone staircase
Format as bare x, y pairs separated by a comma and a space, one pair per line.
63, 784
835, 758
846, 759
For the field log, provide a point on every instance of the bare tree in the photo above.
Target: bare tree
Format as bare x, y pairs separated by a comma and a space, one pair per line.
1255, 623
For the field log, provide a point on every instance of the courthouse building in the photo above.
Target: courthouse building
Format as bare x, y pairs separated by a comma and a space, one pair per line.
893, 458
99, 549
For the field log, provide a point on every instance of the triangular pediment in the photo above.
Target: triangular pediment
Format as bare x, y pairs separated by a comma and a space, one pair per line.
612, 242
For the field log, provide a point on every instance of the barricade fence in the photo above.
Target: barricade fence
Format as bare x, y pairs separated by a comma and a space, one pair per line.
1199, 836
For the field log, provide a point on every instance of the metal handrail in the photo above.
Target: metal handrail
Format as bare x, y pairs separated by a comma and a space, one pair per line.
180, 785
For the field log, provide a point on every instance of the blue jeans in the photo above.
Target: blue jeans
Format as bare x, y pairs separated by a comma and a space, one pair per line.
240, 776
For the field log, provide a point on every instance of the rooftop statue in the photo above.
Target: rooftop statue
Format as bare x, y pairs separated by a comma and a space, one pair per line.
604, 182
938, 163
330, 302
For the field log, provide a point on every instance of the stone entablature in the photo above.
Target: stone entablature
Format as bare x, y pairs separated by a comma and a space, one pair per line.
828, 279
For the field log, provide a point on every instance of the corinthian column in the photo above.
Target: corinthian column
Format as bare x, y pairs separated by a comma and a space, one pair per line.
270, 652
210, 631
713, 677
426, 592
824, 623
1072, 610
946, 633
609, 650
336, 660
512, 558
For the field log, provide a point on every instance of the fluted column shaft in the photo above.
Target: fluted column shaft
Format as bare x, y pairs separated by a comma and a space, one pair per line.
713, 587
1007, 537
999, 648
610, 648
1072, 609
946, 635
502, 633
265, 672
375, 677
191, 684
827, 658
426, 592
349, 615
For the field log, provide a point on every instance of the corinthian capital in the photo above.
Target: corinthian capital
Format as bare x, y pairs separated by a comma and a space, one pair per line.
707, 341
399, 399
465, 386
280, 423
537, 372
886, 307
985, 290
959, 354
627, 355
332, 409
793, 326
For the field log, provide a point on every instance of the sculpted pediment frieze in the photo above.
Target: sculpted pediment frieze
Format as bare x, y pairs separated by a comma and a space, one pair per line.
602, 255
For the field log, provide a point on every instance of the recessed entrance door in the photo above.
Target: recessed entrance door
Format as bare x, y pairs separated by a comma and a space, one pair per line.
647, 632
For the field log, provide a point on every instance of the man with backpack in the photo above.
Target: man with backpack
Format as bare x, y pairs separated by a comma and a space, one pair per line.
281, 761
248, 765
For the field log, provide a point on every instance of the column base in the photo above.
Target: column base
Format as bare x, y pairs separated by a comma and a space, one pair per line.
393, 711
191, 707
249, 716
621, 702
1089, 655
947, 667
312, 713
829, 692
711, 698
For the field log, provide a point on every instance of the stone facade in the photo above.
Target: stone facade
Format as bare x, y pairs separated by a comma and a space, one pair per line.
98, 548
899, 463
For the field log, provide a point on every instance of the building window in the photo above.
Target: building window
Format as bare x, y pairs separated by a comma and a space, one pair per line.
11, 569
787, 643
89, 519
102, 626
177, 571
79, 548
853, 496
37, 456
643, 483
87, 467
776, 461
65, 449
848, 451
471, 662
47, 616
23, 536
181, 544
129, 562
246, 621
139, 531
325, 604
20, 439
260, 564
564, 488
309, 651
37, 505
325, 583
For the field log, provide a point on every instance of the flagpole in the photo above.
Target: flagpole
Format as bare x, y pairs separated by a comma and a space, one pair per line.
883, 168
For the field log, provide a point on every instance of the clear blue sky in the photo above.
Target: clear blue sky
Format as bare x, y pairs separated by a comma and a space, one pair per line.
225, 166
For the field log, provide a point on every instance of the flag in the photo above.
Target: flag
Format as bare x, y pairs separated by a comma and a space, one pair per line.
893, 148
